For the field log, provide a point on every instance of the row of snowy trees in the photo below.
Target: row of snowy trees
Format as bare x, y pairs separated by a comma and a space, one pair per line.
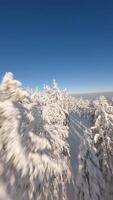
35, 128
95, 169
34, 152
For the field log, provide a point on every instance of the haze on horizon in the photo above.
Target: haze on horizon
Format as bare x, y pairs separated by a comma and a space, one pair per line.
69, 41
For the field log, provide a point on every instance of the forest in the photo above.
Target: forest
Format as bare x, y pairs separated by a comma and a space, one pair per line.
54, 146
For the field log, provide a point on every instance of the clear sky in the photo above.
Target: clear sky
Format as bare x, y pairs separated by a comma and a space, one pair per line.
67, 40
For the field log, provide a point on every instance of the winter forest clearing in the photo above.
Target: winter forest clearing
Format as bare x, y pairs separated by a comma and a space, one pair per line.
54, 146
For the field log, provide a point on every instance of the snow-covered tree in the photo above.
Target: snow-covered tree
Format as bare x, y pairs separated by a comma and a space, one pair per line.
34, 153
95, 170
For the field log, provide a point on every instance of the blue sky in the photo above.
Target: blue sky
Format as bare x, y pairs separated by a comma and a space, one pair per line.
67, 40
